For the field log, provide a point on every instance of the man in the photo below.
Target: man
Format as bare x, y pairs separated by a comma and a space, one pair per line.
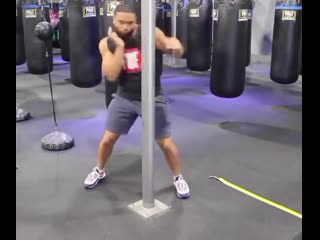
121, 61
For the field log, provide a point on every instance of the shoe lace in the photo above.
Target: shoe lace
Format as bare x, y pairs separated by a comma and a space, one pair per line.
93, 174
181, 183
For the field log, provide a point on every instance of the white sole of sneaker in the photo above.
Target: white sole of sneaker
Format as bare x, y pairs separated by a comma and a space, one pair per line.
183, 196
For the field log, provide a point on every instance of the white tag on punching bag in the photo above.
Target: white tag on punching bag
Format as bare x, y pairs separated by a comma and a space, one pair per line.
288, 15
89, 11
243, 15
112, 6
215, 14
31, 13
194, 12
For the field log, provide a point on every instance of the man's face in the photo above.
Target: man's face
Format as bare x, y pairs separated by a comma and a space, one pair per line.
124, 23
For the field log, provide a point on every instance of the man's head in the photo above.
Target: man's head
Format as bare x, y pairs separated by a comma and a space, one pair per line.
124, 20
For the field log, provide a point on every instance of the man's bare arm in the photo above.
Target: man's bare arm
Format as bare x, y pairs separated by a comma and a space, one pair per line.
169, 45
112, 63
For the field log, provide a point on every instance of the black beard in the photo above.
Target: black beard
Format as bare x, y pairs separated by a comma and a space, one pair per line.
124, 37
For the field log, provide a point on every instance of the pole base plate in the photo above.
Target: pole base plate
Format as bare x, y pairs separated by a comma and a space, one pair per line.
148, 212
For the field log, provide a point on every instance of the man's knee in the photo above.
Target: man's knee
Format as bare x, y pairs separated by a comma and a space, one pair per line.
165, 143
109, 138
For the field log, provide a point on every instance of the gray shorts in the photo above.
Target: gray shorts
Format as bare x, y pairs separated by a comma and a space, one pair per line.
122, 114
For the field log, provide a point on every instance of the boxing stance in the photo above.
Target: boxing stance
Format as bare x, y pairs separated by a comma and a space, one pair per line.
121, 61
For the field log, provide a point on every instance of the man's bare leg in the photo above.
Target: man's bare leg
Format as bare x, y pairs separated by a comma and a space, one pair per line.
172, 155
104, 153
106, 148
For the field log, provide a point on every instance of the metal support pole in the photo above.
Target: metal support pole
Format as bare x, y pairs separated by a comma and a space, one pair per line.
174, 8
148, 206
148, 93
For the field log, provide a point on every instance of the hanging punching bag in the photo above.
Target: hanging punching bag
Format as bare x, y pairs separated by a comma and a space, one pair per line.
182, 27
286, 42
85, 58
20, 49
300, 55
250, 13
199, 35
35, 49
160, 25
64, 32
167, 18
108, 8
229, 53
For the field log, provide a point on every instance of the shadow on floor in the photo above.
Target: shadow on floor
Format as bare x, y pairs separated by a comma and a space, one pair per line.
267, 95
185, 91
264, 132
43, 108
293, 107
186, 109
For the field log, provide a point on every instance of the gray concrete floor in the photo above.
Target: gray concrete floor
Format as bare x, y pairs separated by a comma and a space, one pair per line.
253, 141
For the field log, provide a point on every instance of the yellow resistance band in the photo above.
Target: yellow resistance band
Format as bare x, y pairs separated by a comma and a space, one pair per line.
256, 196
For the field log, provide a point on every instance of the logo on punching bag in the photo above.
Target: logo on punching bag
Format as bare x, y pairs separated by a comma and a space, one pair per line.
288, 15
89, 11
31, 13
101, 11
194, 12
243, 15
60, 13
112, 6
215, 14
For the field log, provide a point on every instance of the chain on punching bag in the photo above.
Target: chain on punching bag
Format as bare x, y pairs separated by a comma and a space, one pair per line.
20, 49
35, 11
230, 48
199, 35
85, 58
286, 42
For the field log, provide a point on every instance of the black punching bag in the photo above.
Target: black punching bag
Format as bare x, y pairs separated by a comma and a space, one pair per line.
229, 53
250, 14
64, 32
20, 49
300, 55
85, 58
286, 42
35, 49
160, 25
199, 35
167, 18
182, 27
